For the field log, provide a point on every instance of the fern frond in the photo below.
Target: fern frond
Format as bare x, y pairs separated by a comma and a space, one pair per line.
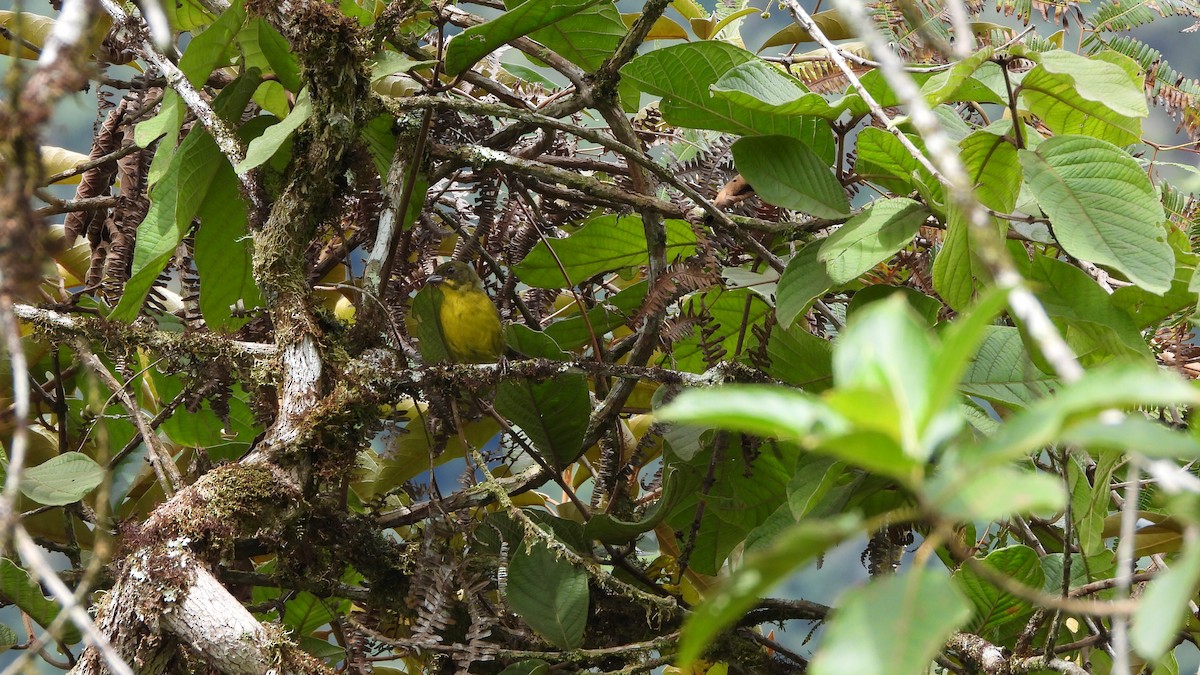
1122, 15
1177, 94
1023, 9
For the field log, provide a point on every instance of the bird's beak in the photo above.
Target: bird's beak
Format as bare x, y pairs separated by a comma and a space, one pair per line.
435, 279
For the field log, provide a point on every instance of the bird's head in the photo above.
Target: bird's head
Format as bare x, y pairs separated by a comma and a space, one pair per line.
455, 275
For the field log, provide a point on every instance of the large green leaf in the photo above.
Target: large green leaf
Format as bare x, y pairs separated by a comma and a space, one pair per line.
553, 413
18, 588
803, 281
1118, 386
585, 38
1074, 94
1134, 433
894, 625
64, 479
478, 41
800, 359
895, 373
734, 316
786, 172
944, 86
549, 593
760, 573
682, 75
881, 158
871, 237
223, 254
574, 331
264, 48
264, 147
1164, 607
957, 270
993, 606
1095, 329
1002, 371
990, 160
603, 244
777, 412
210, 48
744, 493
761, 86
305, 613
1103, 207
177, 198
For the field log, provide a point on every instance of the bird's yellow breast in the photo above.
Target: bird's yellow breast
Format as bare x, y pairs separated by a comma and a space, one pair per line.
470, 326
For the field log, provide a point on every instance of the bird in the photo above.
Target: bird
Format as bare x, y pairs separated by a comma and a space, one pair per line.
467, 319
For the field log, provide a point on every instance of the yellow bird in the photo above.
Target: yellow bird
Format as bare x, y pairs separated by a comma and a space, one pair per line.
469, 322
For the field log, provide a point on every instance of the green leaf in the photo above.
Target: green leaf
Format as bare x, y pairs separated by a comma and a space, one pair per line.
478, 41
894, 625
223, 255
869, 238
1075, 94
943, 86
1134, 434
264, 48
202, 427
993, 606
1091, 500
882, 159
734, 317
210, 48
682, 75
991, 163
872, 450
305, 613
959, 345
1118, 386
573, 332
898, 371
8, 638
998, 492
741, 497
1095, 329
18, 588
1103, 207
811, 481
773, 412
786, 172
1148, 309
957, 270
424, 324
61, 480
553, 413
760, 573
549, 593
187, 15
177, 198
264, 147
801, 359
803, 281
760, 86
610, 529
603, 244
1163, 608
586, 38
1002, 371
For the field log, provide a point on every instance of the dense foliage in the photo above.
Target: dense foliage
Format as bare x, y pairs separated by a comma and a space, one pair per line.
909, 278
